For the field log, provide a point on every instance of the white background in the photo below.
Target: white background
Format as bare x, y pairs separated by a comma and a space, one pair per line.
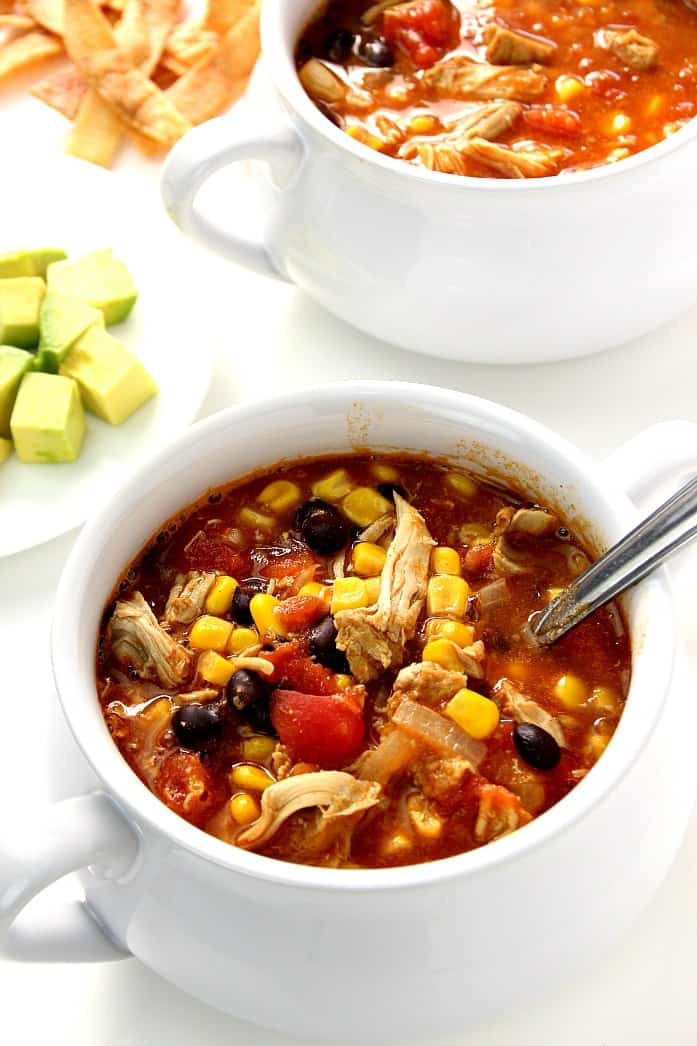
269, 338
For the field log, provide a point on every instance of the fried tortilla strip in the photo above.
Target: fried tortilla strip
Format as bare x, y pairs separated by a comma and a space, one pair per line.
63, 91
145, 27
221, 15
10, 21
97, 131
26, 50
48, 13
188, 43
219, 78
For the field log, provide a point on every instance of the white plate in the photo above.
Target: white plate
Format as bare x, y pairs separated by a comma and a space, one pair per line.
79, 207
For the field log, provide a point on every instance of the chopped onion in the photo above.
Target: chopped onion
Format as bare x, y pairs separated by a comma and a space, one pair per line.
394, 754
493, 595
436, 731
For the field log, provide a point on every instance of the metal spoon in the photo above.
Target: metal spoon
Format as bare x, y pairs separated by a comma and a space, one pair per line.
665, 531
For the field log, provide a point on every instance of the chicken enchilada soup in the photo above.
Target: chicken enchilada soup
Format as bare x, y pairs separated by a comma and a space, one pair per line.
504, 88
331, 663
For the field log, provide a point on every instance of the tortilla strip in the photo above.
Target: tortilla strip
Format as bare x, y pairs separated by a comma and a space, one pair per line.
10, 21
63, 91
189, 42
48, 13
221, 15
25, 50
97, 132
210, 86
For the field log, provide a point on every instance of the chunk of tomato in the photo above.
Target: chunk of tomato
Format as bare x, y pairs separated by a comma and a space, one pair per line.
290, 564
326, 729
294, 667
213, 553
188, 787
553, 120
299, 612
422, 30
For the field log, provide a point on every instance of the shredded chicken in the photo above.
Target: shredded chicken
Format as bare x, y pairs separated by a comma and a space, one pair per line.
390, 131
375, 637
426, 682
338, 794
524, 710
198, 697
187, 599
463, 79
536, 522
382, 525
630, 46
445, 152
140, 643
513, 163
506, 47
532, 522
439, 776
500, 812
147, 723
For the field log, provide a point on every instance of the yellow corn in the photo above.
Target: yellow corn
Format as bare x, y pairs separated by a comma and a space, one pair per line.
241, 639
220, 596
366, 137
655, 105
568, 88
214, 668
363, 506
384, 473
443, 653
447, 594
620, 124
597, 743
249, 517
604, 699
253, 778
244, 808
349, 593
343, 681
455, 631
423, 125
463, 485
280, 496
477, 715
258, 749
210, 633
333, 487
445, 560
262, 607
570, 691
313, 588
368, 558
372, 589
521, 671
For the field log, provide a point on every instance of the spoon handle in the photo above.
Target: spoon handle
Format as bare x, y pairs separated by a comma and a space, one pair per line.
665, 531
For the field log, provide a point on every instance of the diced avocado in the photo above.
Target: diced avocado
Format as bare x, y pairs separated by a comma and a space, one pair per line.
14, 364
61, 322
20, 301
29, 263
99, 279
112, 381
48, 422
5, 449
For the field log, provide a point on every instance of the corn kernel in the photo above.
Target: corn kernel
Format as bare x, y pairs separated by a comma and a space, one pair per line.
620, 124
571, 691
477, 715
552, 593
253, 778
280, 496
445, 560
655, 105
443, 653
244, 808
343, 681
368, 558
313, 588
447, 594
521, 671
364, 136
372, 589
349, 593
214, 668
241, 639
363, 506
258, 749
455, 631
568, 88
604, 699
461, 484
262, 607
210, 633
249, 517
333, 487
423, 125
220, 596
384, 473
597, 743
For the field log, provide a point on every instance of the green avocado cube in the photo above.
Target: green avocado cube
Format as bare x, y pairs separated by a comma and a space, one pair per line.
62, 321
20, 302
29, 263
5, 449
113, 382
48, 422
98, 279
14, 363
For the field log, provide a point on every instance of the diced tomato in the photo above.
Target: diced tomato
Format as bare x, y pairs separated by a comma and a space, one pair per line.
478, 558
325, 729
211, 553
422, 30
293, 667
188, 787
564, 122
288, 565
299, 612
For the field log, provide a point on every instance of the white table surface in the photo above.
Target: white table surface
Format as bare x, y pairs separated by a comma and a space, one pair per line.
644, 991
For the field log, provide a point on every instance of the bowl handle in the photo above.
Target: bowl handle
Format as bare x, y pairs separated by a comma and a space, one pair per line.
88, 830
662, 454
201, 153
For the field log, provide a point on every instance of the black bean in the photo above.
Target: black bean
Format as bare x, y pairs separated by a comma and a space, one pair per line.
338, 45
239, 609
196, 726
322, 643
246, 688
322, 527
388, 490
536, 746
376, 52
